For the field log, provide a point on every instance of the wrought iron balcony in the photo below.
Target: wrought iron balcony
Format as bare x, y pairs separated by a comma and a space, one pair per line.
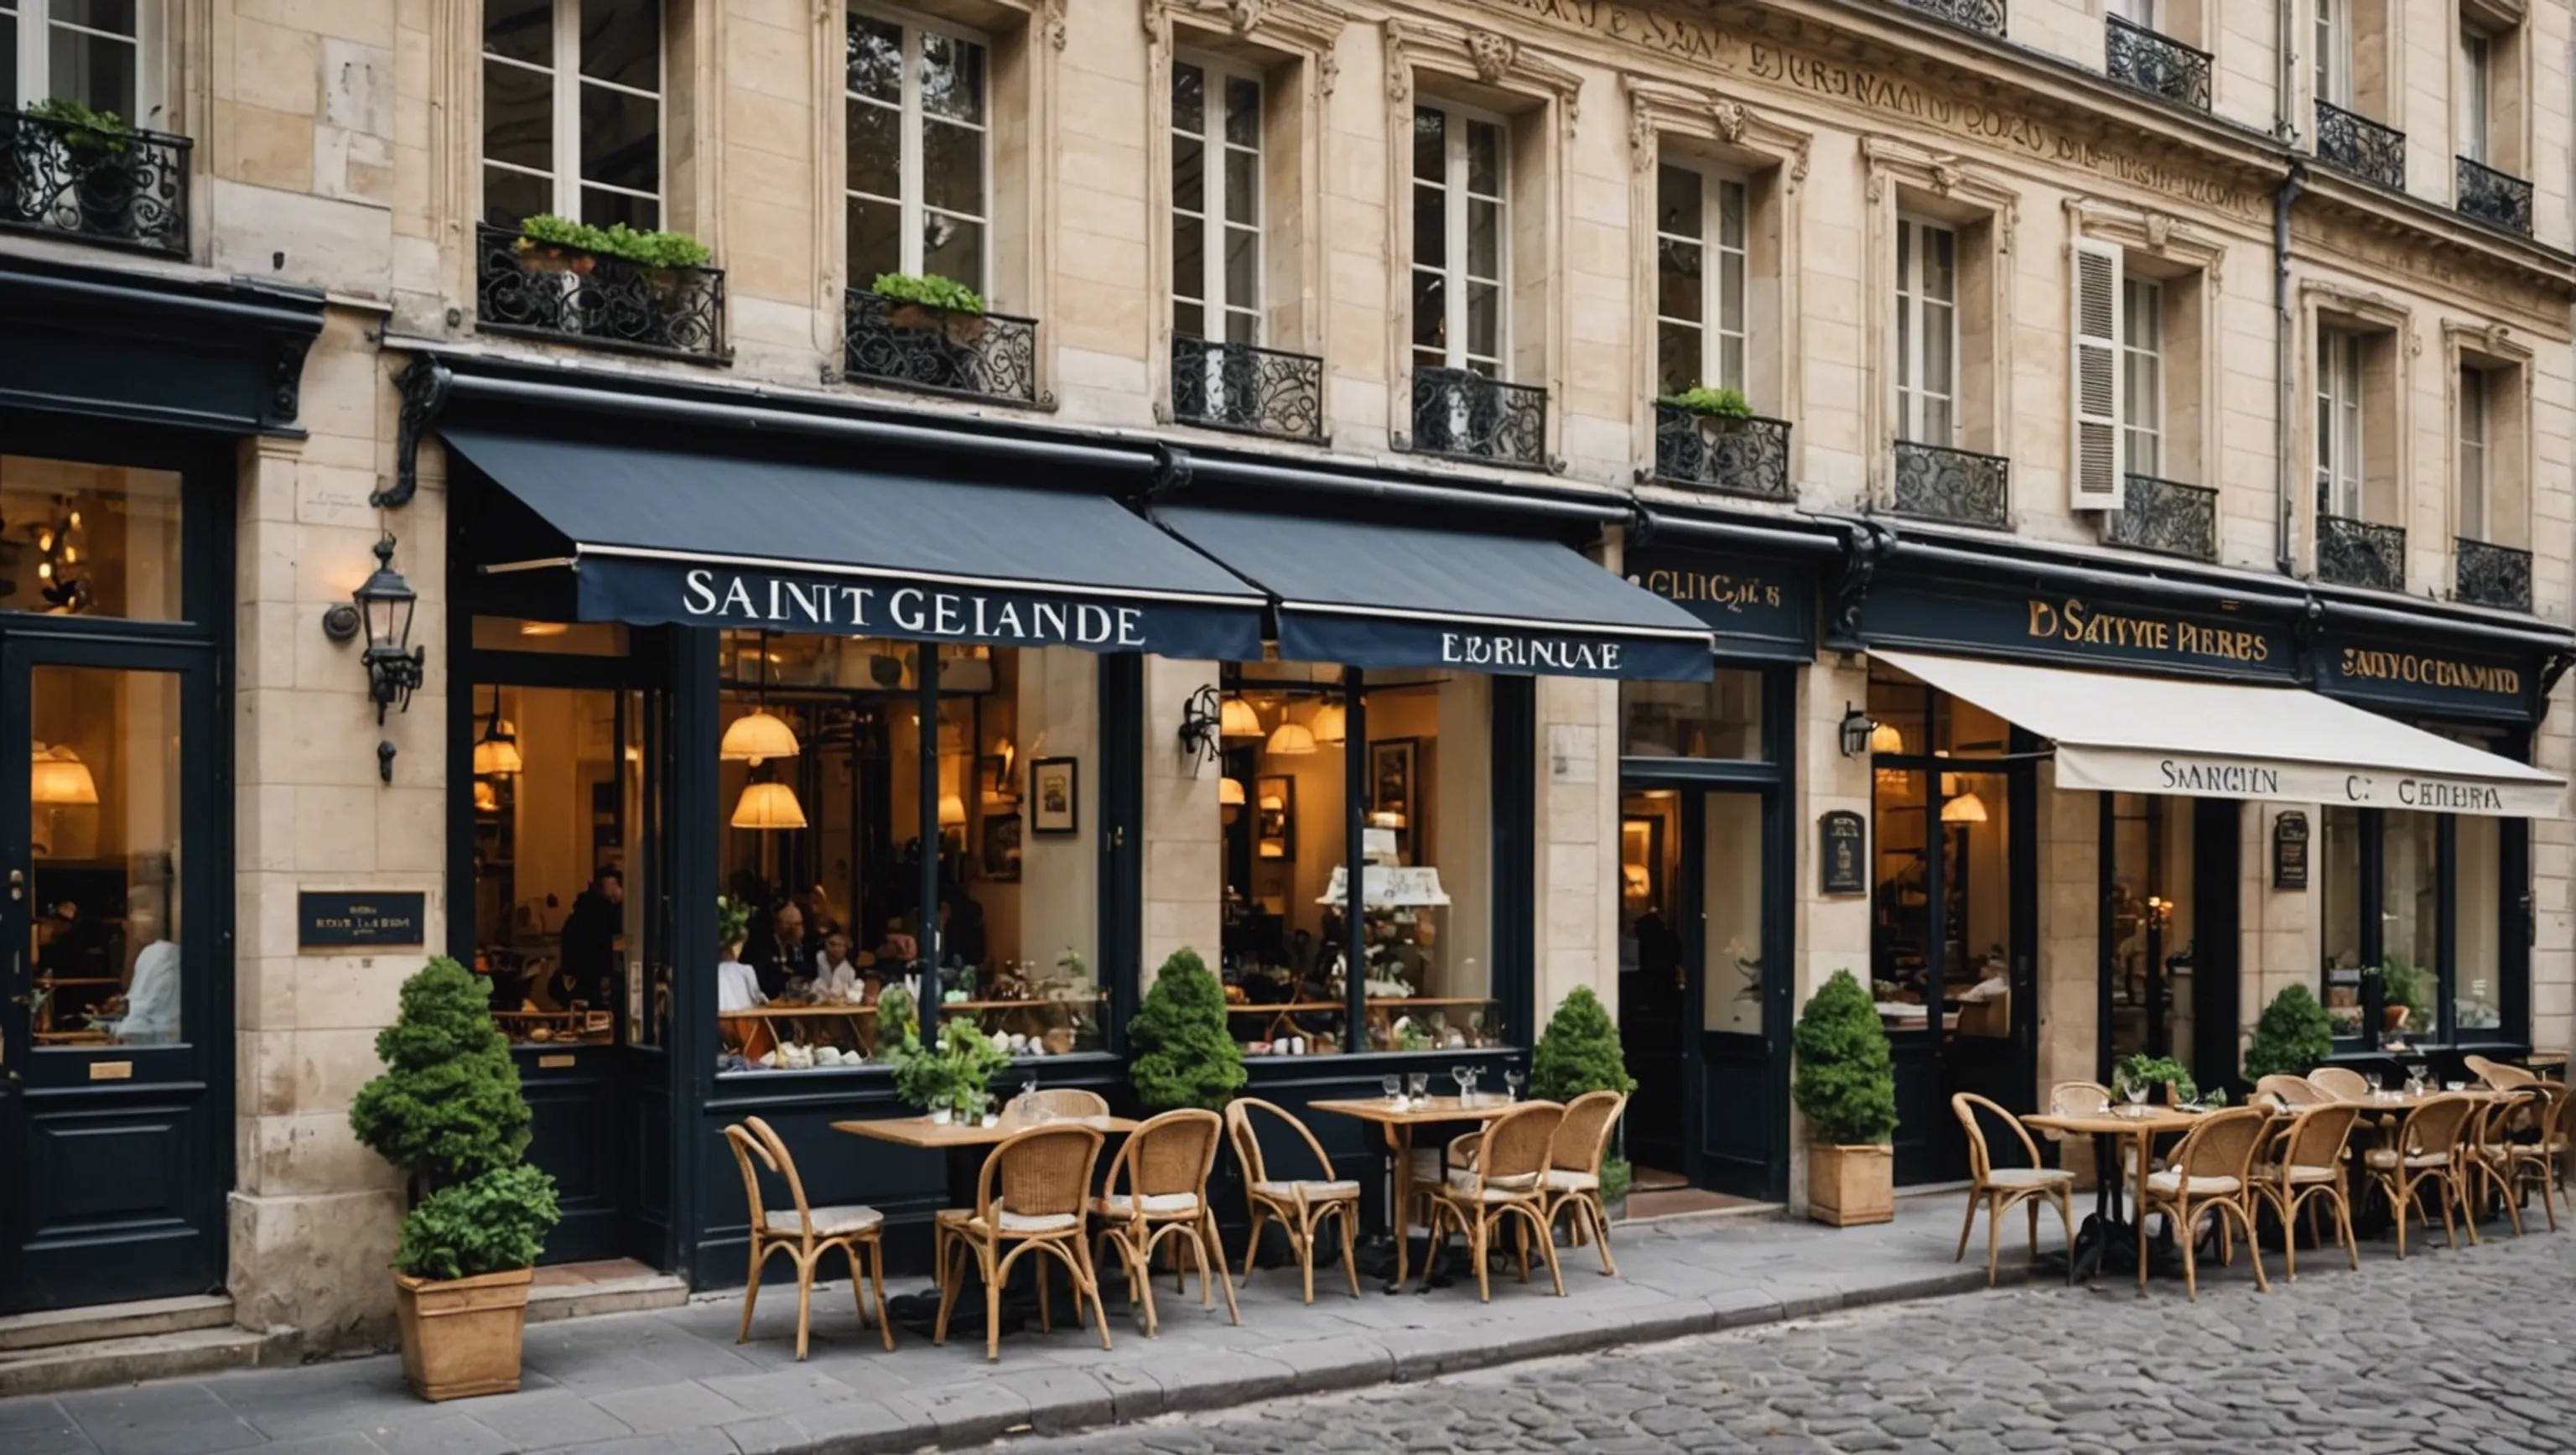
2494, 198
1465, 415
545, 290
2491, 575
980, 355
2166, 516
1240, 387
2157, 64
1939, 483
2361, 553
1748, 456
1986, 17
2361, 146
126, 188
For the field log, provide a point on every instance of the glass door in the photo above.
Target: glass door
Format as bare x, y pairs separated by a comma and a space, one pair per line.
1741, 995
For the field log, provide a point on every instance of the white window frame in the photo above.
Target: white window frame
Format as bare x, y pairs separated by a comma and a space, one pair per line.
2333, 46
2477, 454
1914, 348
2339, 366
2142, 356
910, 207
2476, 78
1215, 304
2140, 13
565, 83
1725, 272
35, 25
1452, 271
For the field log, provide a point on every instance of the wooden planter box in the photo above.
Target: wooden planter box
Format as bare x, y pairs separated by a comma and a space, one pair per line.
460, 1337
1851, 1186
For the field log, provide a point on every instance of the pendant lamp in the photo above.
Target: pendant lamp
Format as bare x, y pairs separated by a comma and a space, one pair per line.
1331, 724
768, 805
57, 778
1291, 739
496, 750
1966, 808
760, 735
952, 811
1887, 737
1238, 721
487, 799
1229, 793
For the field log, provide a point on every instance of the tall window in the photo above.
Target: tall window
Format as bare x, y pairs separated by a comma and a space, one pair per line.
1927, 331
2142, 374
89, 51
2339, 423
2140, 13
919, 193
2333, 52
572, 111
2474, 94
1216, 203
2474, 477
1460, 247
1699, 280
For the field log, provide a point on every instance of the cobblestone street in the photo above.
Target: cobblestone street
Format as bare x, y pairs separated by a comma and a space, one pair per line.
2466, 1352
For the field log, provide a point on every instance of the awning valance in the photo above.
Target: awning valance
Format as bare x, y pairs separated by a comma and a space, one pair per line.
2125, 733
657, 537
1374, 595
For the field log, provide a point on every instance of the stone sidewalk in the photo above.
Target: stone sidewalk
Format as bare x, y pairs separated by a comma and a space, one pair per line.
675, 1383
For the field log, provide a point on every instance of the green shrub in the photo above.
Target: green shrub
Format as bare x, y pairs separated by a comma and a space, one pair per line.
1845, 1083
2292, 1038
1181, 1052
84, 130
1616, 1176
1726, 403
1579, 1051
958, 1075
2155, 1071
649, 249
898, 1026
492, 1224
932, 291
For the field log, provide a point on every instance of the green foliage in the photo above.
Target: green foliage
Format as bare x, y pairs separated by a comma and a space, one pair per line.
2155, 1071
84, 130
1845, 1082
2292, 1038
2401, 983
1726, 403
1578, 1052
1410, 1036
932, 291
898, 1024
958, 1075
733, 920
492, 1224
447, 1108
1182, 1054
1615, 1178
649, 249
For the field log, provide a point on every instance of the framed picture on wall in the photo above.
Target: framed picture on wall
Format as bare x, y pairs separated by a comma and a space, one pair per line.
1001, 857
1391, 789
1274, 821
1057, 808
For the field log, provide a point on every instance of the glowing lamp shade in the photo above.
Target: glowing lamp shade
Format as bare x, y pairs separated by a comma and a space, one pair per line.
497, 755
1291, 740
768, 806
756, 737
1887, 738
952, 811
1966, 808
1331, 724
487, 799
1237, 720
57, 778
1229, 793
1273, 803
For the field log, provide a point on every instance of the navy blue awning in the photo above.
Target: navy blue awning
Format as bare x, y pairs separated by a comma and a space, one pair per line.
1371, 595
656, 537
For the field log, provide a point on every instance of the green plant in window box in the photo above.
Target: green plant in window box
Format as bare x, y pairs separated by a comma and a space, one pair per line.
1719, 403
552, 244
86, 133
2292, 1037
932, 304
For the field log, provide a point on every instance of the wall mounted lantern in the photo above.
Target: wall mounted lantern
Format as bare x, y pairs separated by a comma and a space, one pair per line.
1857, 731
1200, 719
382, 606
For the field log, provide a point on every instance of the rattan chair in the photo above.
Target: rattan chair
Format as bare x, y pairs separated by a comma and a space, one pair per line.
2340, 1083
2425, 1149
1299, 1205
1057, 1102
1999, 1189
1028, 1199
1157, 1194
1574, 1169
1507, 1184
2498, 1075
804, 1235
2292, 1092
2487, 1162
2211, 1171
2078, 1098
2306, 1166
2544, 1157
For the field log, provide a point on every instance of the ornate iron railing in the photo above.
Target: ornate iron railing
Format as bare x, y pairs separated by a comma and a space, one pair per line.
2361, 553
2491, 575
2361, 146
1462, 413
543, 290
1717, 452
2166, 516
984, 355
126, 188
1946, 484
2157, 64
1983, 16
2493, 197
1240, 387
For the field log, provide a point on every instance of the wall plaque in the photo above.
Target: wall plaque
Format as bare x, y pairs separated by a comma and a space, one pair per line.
2290, 850
1842, 852
330, 920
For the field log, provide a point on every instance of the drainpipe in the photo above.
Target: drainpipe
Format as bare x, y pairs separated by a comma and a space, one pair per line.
2285, 396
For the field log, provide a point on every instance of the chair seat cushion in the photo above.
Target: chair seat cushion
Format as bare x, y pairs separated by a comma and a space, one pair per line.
2299, 1176
1311, 1190
1489, 1196
1014, 1224
825, 1222
1155, 1205
1466, 1182
2382, 1157
2174, 1184
1561, 1179
2027, 1177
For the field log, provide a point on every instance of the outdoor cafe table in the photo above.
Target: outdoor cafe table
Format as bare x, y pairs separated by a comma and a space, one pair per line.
2143, 1124
1397, 1123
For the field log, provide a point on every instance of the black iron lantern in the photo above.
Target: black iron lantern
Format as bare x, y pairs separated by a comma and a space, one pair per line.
1857, 730
1200, 726
385, 604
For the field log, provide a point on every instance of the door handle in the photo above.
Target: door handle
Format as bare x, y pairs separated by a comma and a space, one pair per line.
17, 885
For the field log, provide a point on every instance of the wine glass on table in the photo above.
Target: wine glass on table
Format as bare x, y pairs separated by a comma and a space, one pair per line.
1513, 1080
1465, 1077
1393, 1086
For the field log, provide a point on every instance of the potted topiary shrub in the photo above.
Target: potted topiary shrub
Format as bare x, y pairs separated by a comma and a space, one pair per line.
2291, 1038
1577, 1053
448, 1111
1846, 1086
1181, 1053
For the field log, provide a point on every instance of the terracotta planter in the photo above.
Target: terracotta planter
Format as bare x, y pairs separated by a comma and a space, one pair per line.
1851, 1186
958, 328
537, 257
2393, 1017
460, 1337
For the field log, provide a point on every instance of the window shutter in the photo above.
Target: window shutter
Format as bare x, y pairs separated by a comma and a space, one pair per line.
2099, 470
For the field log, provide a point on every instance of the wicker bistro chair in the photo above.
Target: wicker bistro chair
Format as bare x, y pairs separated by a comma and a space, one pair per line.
1299, 1205
1059, 1102
2544, 1157
2425, 1151
2211, 1170
2340, 1083
2291, 1091
2486, 1154
2306, 1167
2498, 1075
1157, 1193
1508, 1182
1999, 1189
1573, 1180
804, 1235
1028, 1200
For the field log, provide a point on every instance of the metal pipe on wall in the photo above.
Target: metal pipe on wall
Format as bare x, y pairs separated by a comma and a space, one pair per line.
2284, 339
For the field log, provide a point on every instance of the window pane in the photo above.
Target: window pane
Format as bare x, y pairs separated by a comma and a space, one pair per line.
9, 100
953, 248
1720, 718
876, 241
2477, 1003
1678, 208
1189, 320
952, 166
1242, 267
95, 70
89, 540
1431, 313
873, 60
1189, 98
603, 208
1940, 279
1430, 142
510, 198
1189, 257
1677, 356
1937, 337
104, 794
621, 41
1900, 956
518, 117
1677, 279
1189, 174
523, 30
1731, 910
1243, 112
1242, 327
621, 139
1730, 293
1242, 186
2409, 883
1730, 361
875, 138
1484, 238
1484, 321
116, 17
1730, 214
952, 78
1431, 227
1484, 158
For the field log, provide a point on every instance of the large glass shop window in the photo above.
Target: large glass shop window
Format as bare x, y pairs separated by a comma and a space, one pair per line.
1928, 815
104, 806
88, 540
820, 784
1286, 732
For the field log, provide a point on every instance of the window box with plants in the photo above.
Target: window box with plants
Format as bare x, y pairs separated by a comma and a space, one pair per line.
1712, 438
1845, 1086
935, 333
553, 276
66, 167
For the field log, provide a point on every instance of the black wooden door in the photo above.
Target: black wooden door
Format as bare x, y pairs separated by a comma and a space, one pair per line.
115, 1031
1737, 861
2216, 862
